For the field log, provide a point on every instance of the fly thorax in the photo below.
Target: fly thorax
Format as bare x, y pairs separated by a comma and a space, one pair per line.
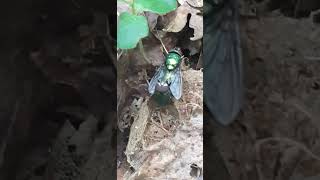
164, 83
173, 60
168, 77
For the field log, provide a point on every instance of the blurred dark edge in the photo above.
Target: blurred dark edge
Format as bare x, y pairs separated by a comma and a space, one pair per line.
19, 88
213, 163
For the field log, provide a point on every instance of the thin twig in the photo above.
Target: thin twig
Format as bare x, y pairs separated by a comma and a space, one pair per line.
198, 95
153, 138
143, 52
160, 118
194, 105
164, 47
160, 126
119, 54
200, 61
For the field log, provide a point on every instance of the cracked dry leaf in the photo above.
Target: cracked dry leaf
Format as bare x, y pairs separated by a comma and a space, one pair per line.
178, 20
193, 3
196, 23
137, 129
152, 19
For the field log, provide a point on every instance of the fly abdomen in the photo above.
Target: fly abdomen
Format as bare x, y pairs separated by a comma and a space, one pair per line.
162, 87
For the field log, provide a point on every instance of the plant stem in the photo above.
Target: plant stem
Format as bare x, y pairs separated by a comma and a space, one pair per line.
132, 8
142, 52
164, 47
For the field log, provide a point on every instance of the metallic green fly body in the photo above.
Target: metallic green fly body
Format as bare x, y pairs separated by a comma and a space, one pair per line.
167, 81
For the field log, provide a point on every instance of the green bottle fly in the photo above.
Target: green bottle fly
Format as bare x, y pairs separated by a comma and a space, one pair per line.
167, 81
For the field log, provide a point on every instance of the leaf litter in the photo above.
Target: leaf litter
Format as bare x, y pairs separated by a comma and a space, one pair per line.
177, 20
161, 142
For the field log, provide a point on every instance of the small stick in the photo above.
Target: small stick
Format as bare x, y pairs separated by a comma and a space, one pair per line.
143, 52
160, 126
164, 47
194, 105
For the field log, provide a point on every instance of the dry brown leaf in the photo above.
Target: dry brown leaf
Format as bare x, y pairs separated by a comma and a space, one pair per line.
178, 20
194, 3
196, 23
152, 19
153, 48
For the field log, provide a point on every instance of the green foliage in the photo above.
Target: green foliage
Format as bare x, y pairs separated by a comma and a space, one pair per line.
156, 6
130, 30
133, 27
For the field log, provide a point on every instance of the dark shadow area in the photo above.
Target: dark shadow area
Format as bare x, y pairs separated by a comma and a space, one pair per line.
57, 90
275, 135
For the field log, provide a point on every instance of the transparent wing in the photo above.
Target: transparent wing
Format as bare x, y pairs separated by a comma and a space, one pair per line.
222, 62
154, 80
176, 85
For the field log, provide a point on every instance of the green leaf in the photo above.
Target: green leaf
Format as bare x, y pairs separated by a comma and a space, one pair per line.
156, 6
131, 29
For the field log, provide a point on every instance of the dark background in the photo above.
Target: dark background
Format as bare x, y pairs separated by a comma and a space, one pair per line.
54, 83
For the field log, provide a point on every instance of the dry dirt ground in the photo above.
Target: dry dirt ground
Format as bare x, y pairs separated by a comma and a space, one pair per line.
163, 142
167, 142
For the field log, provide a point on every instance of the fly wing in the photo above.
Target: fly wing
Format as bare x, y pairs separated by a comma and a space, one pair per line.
176, 85
222, 62
154, 80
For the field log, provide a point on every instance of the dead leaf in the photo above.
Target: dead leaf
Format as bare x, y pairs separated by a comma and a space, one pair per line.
196, 23
194, 3
153, 48
137, 129
152, 19
193, 46
178, 20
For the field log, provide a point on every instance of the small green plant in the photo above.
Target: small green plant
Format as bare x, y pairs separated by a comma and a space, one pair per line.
133, 26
